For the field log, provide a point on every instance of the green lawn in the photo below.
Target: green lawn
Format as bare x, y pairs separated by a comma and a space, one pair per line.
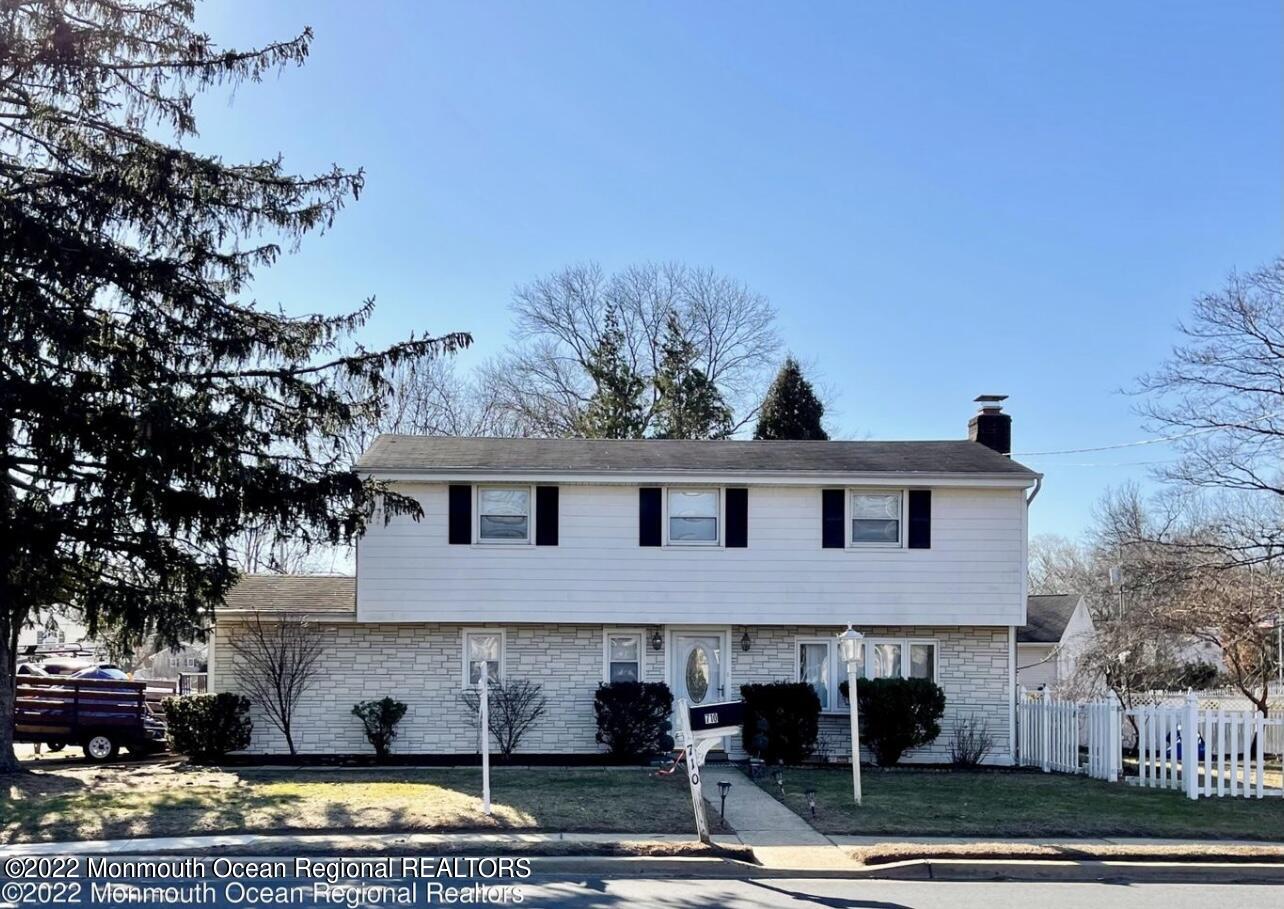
171, 799
962, 803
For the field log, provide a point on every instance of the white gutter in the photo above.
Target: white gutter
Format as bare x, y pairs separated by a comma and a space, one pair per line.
740, 477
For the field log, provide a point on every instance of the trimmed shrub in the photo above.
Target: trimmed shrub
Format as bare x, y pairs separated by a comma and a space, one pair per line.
971, 743
634, 719
380, 719
897, 715
782, 720
208, 726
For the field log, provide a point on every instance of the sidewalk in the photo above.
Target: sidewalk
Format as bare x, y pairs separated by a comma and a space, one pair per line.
779, 838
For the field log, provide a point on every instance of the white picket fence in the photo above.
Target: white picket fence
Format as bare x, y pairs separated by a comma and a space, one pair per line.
1050, 733
1227, 755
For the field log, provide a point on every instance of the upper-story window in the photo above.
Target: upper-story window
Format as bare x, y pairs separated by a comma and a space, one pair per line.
693, 516
876, 518
503, 514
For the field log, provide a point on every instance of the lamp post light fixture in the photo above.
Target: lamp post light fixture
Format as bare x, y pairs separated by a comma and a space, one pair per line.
811, 800
849, 648
724, 786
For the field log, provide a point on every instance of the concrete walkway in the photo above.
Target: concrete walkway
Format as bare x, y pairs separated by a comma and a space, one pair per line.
779, 838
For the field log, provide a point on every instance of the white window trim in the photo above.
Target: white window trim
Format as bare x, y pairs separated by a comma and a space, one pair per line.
850, 491
720, 491
530, 517
643, 646
463, 648
904, 644
836, 677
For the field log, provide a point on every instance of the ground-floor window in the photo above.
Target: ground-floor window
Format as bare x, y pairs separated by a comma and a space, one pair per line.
817, 662
483, 647
623, 656
900, 659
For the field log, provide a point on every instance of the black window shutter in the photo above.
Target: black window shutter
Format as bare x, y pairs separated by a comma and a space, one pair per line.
545, 515
461, 514
920, 519
649, 516
737, 535
831, 519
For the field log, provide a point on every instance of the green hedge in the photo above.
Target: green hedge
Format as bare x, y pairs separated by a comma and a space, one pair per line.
208, 726
782, 721
634, 719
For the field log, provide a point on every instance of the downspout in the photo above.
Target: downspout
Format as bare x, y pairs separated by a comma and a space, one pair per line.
1012, 647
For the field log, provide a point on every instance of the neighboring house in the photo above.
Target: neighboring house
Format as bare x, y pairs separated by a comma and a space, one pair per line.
1057, 629
170, 664
49, 629
703, 564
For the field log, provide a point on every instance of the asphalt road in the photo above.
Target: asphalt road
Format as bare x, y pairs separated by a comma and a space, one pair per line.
590, 892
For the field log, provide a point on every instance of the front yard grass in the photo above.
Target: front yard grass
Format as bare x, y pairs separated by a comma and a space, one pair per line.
1018, 804
174, 799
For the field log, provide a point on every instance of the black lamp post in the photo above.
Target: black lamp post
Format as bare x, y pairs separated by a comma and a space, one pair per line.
779, 777
811, 801
724, 786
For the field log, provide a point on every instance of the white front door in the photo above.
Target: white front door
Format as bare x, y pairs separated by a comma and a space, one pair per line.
697, 668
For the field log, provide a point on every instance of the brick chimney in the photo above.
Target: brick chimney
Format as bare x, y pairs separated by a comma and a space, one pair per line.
991, 426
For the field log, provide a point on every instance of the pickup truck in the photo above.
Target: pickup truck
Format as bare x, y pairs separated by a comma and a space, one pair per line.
99, 715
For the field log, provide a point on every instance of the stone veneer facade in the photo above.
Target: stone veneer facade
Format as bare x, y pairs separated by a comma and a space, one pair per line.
422, 665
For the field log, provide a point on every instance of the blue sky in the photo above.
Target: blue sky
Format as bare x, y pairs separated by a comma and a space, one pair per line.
941, 199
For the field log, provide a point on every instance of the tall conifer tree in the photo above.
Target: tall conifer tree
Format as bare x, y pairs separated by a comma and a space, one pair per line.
615, 411
148, 412
791, 409
688, 405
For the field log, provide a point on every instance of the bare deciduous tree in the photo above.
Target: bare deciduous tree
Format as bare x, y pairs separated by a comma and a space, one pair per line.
1221, 394
276, 660
513, 706
542, 382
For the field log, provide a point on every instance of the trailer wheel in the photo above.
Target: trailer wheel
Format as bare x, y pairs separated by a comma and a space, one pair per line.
99, 748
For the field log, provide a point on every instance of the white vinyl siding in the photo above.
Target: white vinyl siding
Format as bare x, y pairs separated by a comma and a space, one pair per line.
973, 574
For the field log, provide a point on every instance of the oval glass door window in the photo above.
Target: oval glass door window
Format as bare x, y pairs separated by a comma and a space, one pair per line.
698, 674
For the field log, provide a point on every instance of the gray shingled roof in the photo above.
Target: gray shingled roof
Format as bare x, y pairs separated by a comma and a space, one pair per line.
430, 453
294, 594
1046, 618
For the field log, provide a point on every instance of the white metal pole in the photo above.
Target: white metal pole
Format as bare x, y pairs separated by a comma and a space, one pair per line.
484, 715
851, 697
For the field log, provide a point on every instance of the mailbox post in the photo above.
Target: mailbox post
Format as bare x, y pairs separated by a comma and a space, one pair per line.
700, 726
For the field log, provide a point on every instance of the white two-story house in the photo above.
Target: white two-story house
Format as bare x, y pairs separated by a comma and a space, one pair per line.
705, 565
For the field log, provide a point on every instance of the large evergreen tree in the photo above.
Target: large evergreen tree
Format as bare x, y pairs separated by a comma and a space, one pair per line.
688, 404
148, 412
791, 409
615, 411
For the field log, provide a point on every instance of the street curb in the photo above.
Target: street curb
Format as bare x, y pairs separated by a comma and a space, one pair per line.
1043, 871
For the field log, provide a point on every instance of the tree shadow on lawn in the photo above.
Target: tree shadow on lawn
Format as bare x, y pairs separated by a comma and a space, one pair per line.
449, 799
177, 799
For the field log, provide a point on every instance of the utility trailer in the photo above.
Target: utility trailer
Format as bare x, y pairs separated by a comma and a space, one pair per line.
99, 715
